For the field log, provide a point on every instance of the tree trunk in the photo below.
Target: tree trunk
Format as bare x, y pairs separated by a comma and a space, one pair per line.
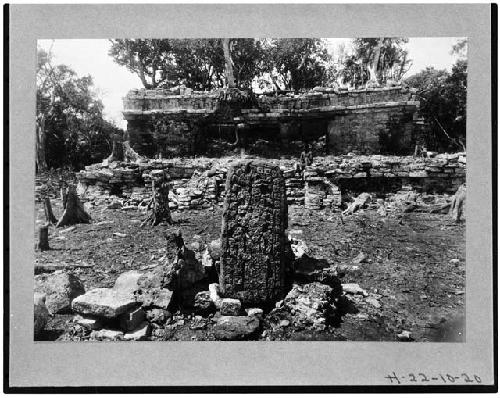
43, 238
41, 160
74, 213
158, 207
64, 196
229, 64
373, 66
129, 155
457, 204
49, 215
116, 152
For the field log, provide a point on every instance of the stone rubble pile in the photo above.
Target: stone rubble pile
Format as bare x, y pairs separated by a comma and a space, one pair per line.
199, 183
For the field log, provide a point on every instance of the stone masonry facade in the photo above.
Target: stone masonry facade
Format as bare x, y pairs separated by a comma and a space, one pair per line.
368, 121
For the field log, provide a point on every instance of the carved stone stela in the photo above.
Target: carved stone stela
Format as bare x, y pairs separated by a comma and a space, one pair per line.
253, 233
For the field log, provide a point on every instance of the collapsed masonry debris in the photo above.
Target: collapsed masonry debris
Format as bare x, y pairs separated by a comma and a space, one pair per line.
199, 183
253, 233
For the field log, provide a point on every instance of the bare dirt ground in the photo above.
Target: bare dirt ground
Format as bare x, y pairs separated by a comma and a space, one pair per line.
408, 269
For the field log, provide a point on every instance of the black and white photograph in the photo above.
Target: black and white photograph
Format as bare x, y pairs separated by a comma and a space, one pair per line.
250, 198
251, 189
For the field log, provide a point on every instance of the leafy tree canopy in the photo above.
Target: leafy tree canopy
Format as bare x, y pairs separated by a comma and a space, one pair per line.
71, 130
196, 63
443, 99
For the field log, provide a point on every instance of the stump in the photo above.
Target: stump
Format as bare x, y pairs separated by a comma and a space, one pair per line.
43, 238
158, 206
49, 215
253, 234
457, 204
74, 213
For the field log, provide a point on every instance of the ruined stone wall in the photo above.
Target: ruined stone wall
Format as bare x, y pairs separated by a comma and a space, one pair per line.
374, 131
366, 121
200, 183
335, 98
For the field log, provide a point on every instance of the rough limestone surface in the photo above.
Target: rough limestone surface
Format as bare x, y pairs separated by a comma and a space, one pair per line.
128, 281
253, 233
106, 334
60, 288
41, 313
236, 327
230, 306
155, 287
203, 304
104, 302
307, 306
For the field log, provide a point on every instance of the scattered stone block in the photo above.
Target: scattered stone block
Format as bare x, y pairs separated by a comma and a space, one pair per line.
236, 327
258, 312
106, 334
404, 336
230, 306
141, 333
128, 282
309, 305
214, 290
88, 323
373, 302
104, 302
353, 288
360, 258
203, 303
158, 316
253, 233
60, 288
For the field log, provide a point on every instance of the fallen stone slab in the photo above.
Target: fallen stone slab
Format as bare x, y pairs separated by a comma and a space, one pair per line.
104, 302
128, 282
258, 312
236, 327
141, 333
88, 323
154, 297
106, 334
353, 288
60, 288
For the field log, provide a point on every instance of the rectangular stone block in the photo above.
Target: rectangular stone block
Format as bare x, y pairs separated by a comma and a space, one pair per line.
253, 240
